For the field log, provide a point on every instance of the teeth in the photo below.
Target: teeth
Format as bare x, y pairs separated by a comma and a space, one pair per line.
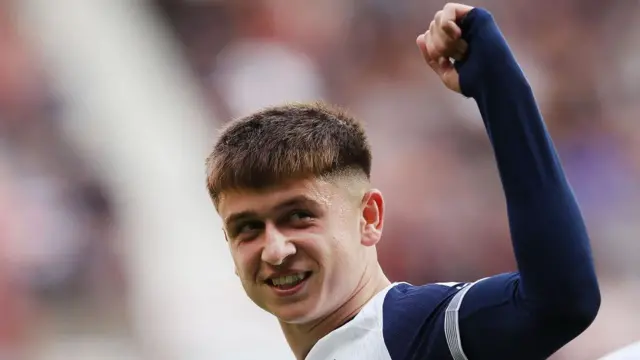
288, 280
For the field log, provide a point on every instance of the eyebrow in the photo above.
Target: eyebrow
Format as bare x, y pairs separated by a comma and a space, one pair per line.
296, 200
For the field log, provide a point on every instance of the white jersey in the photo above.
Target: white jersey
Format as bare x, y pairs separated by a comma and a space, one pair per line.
630, 352
489, 319
376, 332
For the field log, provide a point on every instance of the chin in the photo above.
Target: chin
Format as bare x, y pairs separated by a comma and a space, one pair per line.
296, 313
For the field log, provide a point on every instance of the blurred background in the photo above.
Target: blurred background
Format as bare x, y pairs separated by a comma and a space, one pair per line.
109, 247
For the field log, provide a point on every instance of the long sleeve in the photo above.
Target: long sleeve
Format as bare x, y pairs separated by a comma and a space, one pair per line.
555, 295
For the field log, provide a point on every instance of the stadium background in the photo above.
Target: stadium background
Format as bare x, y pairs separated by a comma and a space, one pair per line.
109, 248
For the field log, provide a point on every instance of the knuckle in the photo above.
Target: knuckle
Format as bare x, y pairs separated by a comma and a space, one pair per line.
432, 52
438, 18
428, 42
440, 47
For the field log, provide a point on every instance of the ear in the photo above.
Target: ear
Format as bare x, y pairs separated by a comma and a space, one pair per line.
372, 217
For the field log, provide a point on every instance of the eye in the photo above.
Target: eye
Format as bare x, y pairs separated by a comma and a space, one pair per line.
248, 228
299, 216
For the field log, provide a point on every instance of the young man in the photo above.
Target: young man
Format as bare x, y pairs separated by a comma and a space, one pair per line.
302, 222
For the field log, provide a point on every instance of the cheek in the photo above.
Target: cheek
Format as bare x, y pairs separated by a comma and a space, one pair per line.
246, 260
343, 245
348, 232
313, 245
347, 247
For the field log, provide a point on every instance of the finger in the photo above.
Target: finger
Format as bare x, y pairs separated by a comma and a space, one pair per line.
462, 46
457, 56
447, 23
452, 29
445, 34
455, 12
444, 65
448, 74
451, 79
449, 13
438, 66
438, 18
428, 39
422, 45
442, 46
432, 26
445, 45
459, 50
438, 42
441, 66
433, 45
435, 66
422, 41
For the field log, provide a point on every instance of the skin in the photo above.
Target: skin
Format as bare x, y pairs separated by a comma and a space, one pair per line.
442, 41
329, 227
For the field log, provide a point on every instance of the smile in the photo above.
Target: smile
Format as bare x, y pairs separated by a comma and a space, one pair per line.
288, 284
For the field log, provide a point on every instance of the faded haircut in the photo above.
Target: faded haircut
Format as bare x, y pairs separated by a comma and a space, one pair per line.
293, 141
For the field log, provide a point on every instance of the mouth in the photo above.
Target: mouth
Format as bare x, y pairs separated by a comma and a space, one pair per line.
288, 284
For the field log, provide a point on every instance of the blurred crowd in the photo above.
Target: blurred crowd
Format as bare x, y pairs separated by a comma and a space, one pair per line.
446, 218
58, 262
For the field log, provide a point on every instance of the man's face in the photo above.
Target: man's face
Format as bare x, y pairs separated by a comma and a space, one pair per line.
300, 248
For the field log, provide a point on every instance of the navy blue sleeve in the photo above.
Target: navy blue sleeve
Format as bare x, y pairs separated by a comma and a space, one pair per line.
413, 321
555, 295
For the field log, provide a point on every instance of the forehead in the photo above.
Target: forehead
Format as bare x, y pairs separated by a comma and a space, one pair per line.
315, 190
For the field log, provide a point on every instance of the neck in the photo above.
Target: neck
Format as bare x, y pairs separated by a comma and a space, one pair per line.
302, 337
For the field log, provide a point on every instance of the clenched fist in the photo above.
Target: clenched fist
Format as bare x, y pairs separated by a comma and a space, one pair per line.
442, 42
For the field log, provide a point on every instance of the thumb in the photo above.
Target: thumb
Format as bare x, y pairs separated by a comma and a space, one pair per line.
448, 74
450, 77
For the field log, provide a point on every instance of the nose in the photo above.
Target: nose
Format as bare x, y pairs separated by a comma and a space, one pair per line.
277, 247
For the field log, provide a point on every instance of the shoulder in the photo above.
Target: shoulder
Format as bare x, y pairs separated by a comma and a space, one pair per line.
413, 318
407, 298
405, 291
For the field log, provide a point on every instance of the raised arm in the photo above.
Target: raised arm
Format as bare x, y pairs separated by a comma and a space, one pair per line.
555, 294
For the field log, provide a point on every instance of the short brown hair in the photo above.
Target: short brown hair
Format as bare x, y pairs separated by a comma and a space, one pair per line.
286, 142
